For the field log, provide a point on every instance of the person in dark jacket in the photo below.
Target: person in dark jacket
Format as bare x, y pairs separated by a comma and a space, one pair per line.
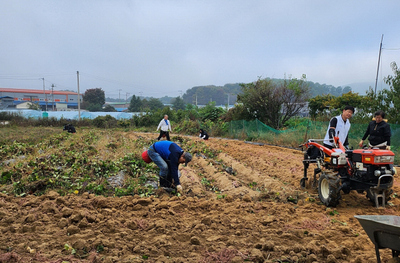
70, 128
203, 134
378, 131
167, 156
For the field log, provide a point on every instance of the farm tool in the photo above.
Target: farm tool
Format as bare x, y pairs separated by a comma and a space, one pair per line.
341, 171
384, 232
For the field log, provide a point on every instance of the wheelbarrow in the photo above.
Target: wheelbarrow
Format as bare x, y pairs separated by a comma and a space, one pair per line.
384, 232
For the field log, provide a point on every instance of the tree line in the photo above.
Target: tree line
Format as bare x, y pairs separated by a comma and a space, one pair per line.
387, 100
272, 101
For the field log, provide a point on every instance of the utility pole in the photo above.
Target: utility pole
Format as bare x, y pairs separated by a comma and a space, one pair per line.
127, 96
379, 61
119, 94
44, 93
52, 96
79, 99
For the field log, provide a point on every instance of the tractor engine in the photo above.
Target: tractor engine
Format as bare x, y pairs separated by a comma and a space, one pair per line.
370, 164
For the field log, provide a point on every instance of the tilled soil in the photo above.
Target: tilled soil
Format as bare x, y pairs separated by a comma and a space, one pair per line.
245, 205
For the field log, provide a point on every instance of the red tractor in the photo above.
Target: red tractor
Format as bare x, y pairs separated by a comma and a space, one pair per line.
341, 170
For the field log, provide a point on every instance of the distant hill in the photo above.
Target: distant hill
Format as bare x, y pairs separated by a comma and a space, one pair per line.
221, 95
362, 87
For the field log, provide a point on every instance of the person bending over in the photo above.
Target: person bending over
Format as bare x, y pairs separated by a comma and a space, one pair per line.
203, 134
167, 156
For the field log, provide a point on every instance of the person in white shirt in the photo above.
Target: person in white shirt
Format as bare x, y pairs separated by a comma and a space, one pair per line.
165, 128
339, 126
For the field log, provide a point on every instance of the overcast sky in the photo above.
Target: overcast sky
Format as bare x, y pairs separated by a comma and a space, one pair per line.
162, 48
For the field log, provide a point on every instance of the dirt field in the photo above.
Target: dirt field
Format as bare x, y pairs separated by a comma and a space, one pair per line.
244, 206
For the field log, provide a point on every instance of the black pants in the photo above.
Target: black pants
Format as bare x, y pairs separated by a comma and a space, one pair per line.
166, 133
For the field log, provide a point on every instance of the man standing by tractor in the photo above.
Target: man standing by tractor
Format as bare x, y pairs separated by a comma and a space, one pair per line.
167, 156
339, 126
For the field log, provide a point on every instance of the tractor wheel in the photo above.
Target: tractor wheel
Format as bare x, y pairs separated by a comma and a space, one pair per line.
328, 189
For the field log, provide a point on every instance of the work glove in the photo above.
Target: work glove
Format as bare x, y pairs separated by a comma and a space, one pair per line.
361, 143
388, 147
179, 189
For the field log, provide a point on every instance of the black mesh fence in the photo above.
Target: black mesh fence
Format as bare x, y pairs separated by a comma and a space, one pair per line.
303, 131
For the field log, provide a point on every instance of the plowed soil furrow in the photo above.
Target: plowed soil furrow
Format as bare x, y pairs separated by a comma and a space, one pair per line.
253, 212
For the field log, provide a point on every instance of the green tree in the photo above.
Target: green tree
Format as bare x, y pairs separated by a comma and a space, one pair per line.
324, 104
391, 96
191, 112
166, 100
152, 104
387, 100
211, 112
319, 104
239, 112
371, 102
94, 96
178, 104
201, 95
135, 105
349, 98
272, 103
93, 99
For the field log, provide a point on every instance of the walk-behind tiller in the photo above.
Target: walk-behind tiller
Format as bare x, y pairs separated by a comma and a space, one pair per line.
369, 170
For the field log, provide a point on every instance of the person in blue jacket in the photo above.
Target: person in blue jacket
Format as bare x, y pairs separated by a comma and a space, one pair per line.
167, 156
